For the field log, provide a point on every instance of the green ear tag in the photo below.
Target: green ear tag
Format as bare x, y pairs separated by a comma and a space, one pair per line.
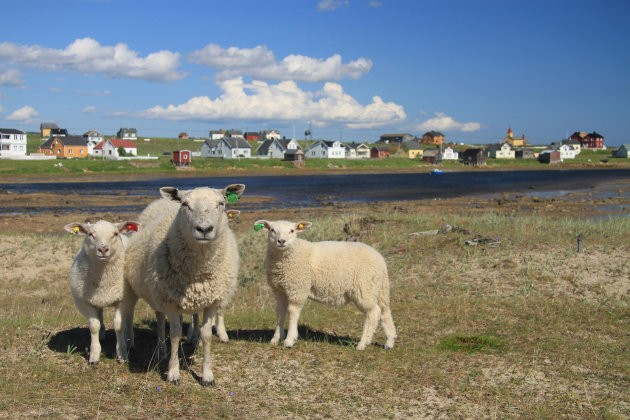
259, 226
231, 198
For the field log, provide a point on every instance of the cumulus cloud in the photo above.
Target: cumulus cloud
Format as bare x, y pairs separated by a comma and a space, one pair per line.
25, 114
283, 101
443, 122
87, 56
90, 109
11, 78
331, 5
260, 63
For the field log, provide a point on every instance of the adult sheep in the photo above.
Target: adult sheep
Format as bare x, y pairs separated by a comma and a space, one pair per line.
185, 261
97, 281
329, 272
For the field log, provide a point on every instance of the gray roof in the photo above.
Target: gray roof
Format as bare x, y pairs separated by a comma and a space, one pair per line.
11, 131
48, 125
237, 143
211, 143
65, 140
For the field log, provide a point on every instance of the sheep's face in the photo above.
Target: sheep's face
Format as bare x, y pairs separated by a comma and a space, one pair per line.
203, 210
282, 234
102, 238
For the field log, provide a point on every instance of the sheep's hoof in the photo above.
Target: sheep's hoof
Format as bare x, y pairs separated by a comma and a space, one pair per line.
93, 363
208, 383
176, 382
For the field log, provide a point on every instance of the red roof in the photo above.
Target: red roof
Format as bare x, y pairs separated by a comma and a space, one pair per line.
125, 144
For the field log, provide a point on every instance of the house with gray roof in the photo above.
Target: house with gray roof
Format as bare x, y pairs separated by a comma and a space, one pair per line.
277, 148
226, 148
324, 149
12, 142
622, 152
127, 133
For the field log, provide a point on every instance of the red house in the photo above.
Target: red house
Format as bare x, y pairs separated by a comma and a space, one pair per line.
182, 157
379, 152
251, 136
593, 140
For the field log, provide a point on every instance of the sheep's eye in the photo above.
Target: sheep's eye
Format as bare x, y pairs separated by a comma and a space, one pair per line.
273, 230
292, 231
185, 205
221, 203
115, 233
91, 235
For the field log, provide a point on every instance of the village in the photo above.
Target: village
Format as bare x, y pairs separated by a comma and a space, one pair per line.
431, 147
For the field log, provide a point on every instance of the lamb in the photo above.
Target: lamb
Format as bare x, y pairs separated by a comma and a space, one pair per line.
185, 261
329, 272
97, 281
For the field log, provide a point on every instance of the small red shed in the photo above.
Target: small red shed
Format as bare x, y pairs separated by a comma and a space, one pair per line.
182, 157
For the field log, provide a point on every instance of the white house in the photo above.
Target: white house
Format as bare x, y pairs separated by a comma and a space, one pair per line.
276, 148
326, 150
622, 152
127, 134
501, 151
566, 152
357, 151
92, 139
270, 135
12, 142
108, 149
227, 148
450, 154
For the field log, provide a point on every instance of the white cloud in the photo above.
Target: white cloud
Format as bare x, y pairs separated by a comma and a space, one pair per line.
374, 3
25, 114
90, 109
87, 56
11, 78
443, 122
260, 63
331, 5
284, 101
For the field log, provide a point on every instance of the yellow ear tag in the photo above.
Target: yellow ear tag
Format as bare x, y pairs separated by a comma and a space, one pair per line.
76, 230
301, 226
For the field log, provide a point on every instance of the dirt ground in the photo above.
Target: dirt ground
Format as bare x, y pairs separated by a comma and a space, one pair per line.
47, 213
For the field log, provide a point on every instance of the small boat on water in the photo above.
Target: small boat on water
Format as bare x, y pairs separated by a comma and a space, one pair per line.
436, 172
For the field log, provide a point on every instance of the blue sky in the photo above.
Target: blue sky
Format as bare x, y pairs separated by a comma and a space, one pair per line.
350, 70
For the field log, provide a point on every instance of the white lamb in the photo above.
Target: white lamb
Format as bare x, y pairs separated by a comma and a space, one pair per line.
97, 281
185, 260
329, 272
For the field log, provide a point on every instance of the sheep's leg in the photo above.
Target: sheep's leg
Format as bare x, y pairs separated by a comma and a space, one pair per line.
388, 326
101, 333
119, 328
281, 311
94, 325
207, 378
372, 316
161, 333
294, 310
220, 325
193, 333
175, 328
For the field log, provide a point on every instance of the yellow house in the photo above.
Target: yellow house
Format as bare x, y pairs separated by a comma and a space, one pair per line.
407, 151
45, 128
512, 141
64, 147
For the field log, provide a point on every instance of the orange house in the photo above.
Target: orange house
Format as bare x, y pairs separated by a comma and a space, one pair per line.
64, 147
433, 137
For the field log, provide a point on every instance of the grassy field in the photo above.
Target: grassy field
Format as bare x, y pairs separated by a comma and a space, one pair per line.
158, 146
529, 328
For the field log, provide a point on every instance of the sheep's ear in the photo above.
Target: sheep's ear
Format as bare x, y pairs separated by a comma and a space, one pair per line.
126, 227
76, 228
233, 214
262, 224
236, 189
302, 226
171, 193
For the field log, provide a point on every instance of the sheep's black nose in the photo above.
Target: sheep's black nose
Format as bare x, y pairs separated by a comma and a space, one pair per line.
205, 230
281, 241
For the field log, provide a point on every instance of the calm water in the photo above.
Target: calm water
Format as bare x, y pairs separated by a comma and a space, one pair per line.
304, 191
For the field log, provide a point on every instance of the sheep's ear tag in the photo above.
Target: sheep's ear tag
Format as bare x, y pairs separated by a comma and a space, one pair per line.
76, 230
232, 198
230, 214
259, 226
132, 226
301, 226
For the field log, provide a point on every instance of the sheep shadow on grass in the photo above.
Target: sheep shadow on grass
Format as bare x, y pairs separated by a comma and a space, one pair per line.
305, 334
142, 358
